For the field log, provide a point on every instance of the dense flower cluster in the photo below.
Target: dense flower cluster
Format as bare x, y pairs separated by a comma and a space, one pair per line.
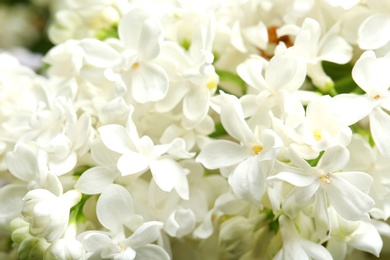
224, 129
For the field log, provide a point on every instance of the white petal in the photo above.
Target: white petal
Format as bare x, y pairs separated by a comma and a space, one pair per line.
130, 28
373, 32
114, 207
304, 194
250, 71
370, 72
351, 108
233, 121
379, 126
367, 239
148, 82
286, 71
150, 39
102, 155
99, 54
335, 49
168, 174
337, 248
151, 252
196, 103
95, 180
306, 42
295, 179
180, 222
334, 159
349, 202
316, 251
147, 233
360, 180
116, 138
11, 201
22, 163
132, 163
248, 180
222, 153
93, 241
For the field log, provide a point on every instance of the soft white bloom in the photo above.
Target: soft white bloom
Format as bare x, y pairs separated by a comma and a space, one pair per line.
99, 245
275, 91
361, 235
318, 130
315, 48
346, 191
372, 33
128, 63
193, 80
115, 212
370, 160
253, 156
295, 247
48, 214
370, 74
140, 154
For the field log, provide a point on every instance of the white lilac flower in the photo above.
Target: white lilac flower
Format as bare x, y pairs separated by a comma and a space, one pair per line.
318, 130
315, 48
295, 247
372, 33
47, 214
370, 74
370, 160
275, 91
128, 63
361, 235
346, 191
115, 212
138, 154
252, 156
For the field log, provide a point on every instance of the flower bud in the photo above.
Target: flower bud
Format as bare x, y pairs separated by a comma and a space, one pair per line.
48, 214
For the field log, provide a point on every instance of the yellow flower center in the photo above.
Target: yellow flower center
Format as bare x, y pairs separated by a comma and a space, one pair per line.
317, 135
257, 148
135, 66
326, 178
211, 84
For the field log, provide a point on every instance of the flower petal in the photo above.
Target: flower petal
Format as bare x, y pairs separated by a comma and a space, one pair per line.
296, 179
114, 207
349, 202
147, 233
373, 32
222, 153
196, 103
150, 39
379, 126
335, 49
250, 72
116, 138
130, 28
99, 54
248, 179
151, 252
350, 108
370, 72
95, 180
334, 159
132, 163
233, 120
22, 163
168, 174
148, 82
286, 71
